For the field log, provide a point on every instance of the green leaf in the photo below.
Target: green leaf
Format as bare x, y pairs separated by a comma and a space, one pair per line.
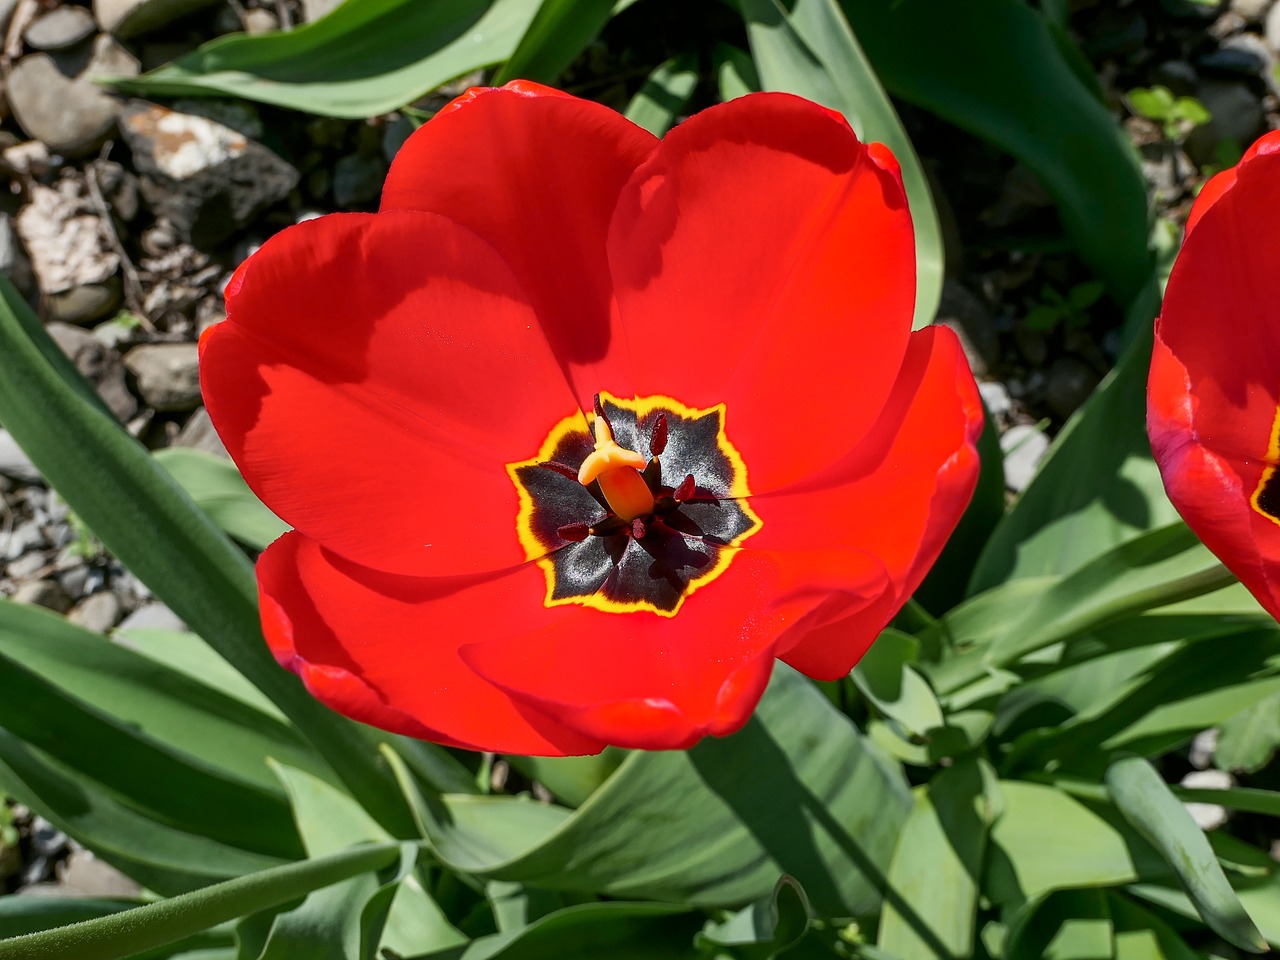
1027, 859
158, 856
1097, 487
397, 911
29, 913
991, 67
1154, 103
571, 779
1146, 801
1067, 925
1141, 935
806, 47
1244, 799
130, 932
665, 94
172, 709
217, 488
155, 530
932, 901
616, 931
764, 930
735, 71
363, 59
559, 31
162, 781
887, 679
1247, 740
797, 791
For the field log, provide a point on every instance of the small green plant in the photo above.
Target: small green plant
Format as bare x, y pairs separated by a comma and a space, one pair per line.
1072, 309
1177, 116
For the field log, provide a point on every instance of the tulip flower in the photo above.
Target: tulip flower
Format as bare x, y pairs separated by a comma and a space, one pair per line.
583, 428
1213, 397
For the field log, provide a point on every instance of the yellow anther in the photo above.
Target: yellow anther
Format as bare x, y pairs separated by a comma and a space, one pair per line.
618, 470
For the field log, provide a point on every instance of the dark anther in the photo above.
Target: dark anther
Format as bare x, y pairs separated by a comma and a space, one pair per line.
637, 528
686, 489
574, 532
560, 468
599, 409
658, 438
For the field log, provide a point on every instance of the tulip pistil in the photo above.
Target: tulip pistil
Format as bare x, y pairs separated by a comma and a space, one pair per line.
618, 471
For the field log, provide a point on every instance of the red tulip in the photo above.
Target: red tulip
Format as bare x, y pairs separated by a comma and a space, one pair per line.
1214, 389
583, 429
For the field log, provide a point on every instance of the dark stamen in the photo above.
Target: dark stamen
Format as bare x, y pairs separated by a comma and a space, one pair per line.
686, 489
599, 409
560, 468
574, 532
658, 438
637, 528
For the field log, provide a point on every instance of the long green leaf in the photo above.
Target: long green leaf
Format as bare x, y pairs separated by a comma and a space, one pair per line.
806, 47
559, 31
937, 866
797, 791
146, 520
130, 932
1146, 802
365, 58
216, 486
996, 69
160, 857
664, 94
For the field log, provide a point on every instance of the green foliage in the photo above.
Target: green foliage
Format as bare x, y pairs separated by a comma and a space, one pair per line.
1056, 310
1177, 116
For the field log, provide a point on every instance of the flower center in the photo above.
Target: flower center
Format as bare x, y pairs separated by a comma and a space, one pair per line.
634, 508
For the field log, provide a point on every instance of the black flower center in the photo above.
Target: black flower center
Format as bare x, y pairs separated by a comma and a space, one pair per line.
662, 511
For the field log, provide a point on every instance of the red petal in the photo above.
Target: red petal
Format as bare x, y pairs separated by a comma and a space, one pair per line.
375, 376
383, 649
898, 497
645, 681
1221, 182
1215, 371
763, 257
537, 174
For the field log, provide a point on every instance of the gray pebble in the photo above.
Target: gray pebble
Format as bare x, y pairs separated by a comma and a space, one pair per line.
43, 593
996, 398
97, 612
60, 28
14, 462
168, 374
1024, 447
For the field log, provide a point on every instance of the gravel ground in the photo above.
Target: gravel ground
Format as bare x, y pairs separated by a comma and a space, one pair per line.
123, 220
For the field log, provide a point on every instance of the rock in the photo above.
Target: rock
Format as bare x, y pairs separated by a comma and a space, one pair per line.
313, 10
97, 612
1069, 384
968, 316
65, 239
84, 875
1245, 55
258, 21
13, 259
54, 97
43, 593
198, 434
60, 28
1236, 116
99, 364
168, 374
1208, 816
27, 565
1178, 76
208, 179
1272, 29
85, 303
1250, 9
995, 397
129, 18
14, 463
152, 616
357, 180
1024, 447
30, 158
